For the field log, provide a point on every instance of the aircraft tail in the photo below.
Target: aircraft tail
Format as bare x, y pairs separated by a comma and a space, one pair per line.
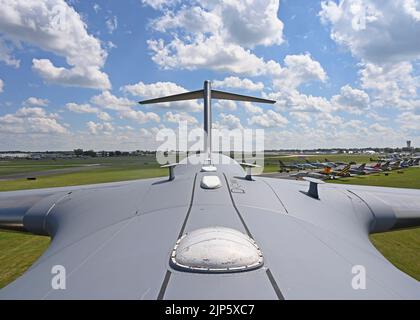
345, 170
207, 94
385, 165
362, 166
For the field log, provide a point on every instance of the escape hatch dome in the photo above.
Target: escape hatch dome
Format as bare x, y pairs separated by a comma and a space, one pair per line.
210, 182
216, 250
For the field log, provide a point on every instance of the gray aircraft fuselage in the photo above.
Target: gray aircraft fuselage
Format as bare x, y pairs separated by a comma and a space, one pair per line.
211, 231
115, 240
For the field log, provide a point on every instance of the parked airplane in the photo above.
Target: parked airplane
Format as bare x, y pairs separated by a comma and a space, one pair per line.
326, 173
406, 163
310, 174
336, 163
307, 166
211, 231
319, 165
358, 170
287, 167
394, 165
385, 166
343, 172
373, 169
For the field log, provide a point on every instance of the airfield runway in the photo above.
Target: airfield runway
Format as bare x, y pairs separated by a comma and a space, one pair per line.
34, 174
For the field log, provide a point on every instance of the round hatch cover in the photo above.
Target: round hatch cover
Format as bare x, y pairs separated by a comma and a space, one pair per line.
215, 250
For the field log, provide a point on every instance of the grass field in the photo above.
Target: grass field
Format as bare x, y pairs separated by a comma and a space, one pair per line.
408, 178
19, 251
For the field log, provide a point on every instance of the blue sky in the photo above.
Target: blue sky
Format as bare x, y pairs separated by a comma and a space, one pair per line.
344, 73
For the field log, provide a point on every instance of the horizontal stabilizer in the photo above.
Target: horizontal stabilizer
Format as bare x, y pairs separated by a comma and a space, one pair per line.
199, 94
215, 94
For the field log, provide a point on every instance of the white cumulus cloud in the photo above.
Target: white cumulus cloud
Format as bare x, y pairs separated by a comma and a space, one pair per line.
160, 89
178, 117
31, 120
111, 24
390, 82
159, 4
299, 69
351, 100
6, 55
252, 108
36, 102
228, 121
218, 35
246, 23
374, 30
139, 116
225, 105
54, 26
238, 83
108, 101
269, 119
87, 108
95, 128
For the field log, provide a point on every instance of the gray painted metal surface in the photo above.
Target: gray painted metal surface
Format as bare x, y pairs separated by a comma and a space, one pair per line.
115, 240
207, 116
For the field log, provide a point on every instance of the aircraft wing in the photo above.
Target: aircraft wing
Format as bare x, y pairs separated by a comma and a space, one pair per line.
391, 208
315, 243
121, 248
14, 205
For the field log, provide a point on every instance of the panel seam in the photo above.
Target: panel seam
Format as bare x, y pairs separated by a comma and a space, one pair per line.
168, 272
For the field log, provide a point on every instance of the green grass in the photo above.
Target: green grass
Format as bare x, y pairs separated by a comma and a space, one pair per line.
408, 178
19, 251
17, 254
402, 248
